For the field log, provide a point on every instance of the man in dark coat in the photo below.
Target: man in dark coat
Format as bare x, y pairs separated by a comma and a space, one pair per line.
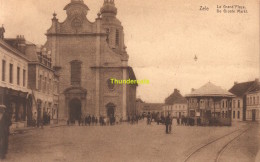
93, 120
4, 131
167, 123
89, 120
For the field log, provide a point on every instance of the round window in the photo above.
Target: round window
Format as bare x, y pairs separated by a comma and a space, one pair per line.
110, 85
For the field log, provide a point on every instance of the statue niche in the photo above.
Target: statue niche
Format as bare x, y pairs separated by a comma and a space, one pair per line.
76, 22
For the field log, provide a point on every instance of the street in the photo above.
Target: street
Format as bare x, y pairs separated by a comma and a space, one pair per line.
127, 142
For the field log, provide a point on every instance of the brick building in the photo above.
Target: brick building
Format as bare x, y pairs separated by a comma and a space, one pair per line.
139, 106
86, 55
43, 82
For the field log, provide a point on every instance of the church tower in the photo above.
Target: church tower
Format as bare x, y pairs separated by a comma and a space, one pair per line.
112, 27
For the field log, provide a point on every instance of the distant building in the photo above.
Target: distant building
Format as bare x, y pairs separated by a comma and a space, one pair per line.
153, 108
239, 106
253, 103
210, 103
13, 85
139, 106
176, 105
43, 81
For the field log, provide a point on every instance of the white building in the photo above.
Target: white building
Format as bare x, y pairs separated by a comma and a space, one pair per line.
239, 103
13, 83
253, 104
176, 105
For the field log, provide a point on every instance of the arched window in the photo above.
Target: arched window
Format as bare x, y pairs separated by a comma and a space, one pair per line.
75, 72
117, 37
107, 32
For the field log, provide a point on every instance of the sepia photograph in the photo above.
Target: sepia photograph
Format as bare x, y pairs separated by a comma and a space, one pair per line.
129, 81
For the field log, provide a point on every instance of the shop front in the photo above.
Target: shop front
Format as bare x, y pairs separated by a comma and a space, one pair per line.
17, 106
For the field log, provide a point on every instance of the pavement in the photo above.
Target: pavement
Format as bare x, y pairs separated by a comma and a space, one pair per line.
125, 142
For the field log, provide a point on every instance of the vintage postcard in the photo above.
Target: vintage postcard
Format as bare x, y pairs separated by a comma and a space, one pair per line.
129, 80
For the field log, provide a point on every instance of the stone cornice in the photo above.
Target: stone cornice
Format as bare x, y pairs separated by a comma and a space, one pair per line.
74, 34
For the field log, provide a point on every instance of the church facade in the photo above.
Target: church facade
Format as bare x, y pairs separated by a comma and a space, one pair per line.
86, 55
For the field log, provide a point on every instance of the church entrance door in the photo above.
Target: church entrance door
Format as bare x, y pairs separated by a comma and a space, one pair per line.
74, 109
110, 110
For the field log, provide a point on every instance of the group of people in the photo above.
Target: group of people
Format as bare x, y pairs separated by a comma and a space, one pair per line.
187, 121
133, 119
5, 123
93, 120
111, 120
88, 120
167, 121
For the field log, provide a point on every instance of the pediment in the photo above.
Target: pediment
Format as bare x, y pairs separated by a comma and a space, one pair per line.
75, 90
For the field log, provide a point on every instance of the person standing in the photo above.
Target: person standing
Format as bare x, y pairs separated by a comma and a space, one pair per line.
178, 121
89, 120
170, 124
167, 122
93, 120
5, 123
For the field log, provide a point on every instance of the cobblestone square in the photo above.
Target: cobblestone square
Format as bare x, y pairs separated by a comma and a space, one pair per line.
127, 142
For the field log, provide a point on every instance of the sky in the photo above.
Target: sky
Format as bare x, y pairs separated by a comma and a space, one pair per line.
162, 39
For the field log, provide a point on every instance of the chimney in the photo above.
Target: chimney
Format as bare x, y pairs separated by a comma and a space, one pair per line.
235, 83
256, 80
21, 43
192, 89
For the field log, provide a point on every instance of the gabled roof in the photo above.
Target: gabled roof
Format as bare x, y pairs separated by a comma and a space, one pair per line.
139, 100
14, 51
240, 89
210, 89
254, 88
175, 98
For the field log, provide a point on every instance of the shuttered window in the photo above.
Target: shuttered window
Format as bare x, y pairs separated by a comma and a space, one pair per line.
11, 73
18, 75
3, 70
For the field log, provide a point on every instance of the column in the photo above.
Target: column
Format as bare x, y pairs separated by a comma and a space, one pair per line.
98, 57
124, 94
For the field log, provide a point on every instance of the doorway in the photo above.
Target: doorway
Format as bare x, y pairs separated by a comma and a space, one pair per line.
110, 110
74, 109
253, 114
